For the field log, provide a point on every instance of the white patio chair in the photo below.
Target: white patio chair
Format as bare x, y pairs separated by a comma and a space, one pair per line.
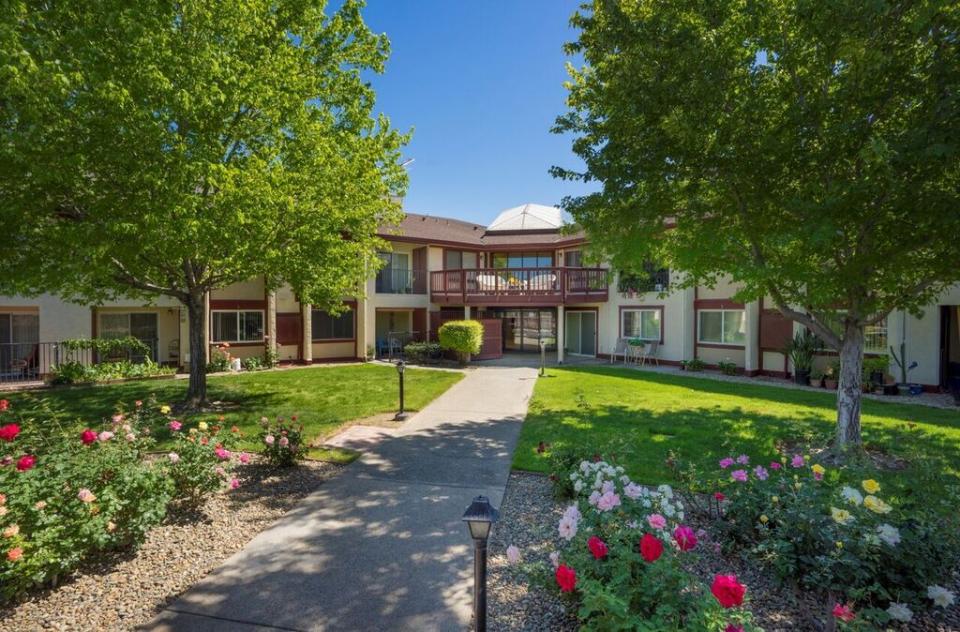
635, 352
621, 348
542, 283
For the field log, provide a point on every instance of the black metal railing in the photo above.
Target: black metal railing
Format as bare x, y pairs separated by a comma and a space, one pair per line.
391, 347
654, 281
25, 362
401, 281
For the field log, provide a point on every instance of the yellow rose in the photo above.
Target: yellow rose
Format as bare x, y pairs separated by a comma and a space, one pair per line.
839, 544
775, 499
876, 505
818, 469
797, 485
202, 425
164, 410
764, 519
870, 486
840, 516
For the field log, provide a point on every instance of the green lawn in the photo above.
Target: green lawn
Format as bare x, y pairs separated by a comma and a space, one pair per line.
641, 416
323, 398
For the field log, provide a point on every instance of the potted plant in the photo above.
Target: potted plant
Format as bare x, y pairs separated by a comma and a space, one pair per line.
801, 350
816, 377
905, 388
832, 375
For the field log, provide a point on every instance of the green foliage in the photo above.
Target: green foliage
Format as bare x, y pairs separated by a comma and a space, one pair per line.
254, 135
727, 367
108, 347
82, 496
270, 357
200, 461
694, 364
253, 363
620, 589
282, 442
219, 359
562, 461
462, 336
422, 352
833, 538
678, 103
874, 365
801, 349
79, 373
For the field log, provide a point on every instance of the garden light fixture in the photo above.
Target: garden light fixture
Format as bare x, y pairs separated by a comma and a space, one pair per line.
402, 415
480, 516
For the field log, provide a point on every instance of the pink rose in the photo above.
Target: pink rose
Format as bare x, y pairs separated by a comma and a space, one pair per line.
739, 475
774, 465
174, 425
743, 459
284, 442
106, 435
88, 436
221, 453
268, 439
244, 457
726, 462
685, 538
26, 462
797, 461
234, 483
761, 473
86, 495
174, 457
656, 521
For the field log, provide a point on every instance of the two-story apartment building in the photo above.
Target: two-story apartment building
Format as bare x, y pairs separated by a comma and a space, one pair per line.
522, 275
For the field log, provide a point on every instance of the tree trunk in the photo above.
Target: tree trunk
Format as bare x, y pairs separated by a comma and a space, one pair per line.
197, 392
850, 390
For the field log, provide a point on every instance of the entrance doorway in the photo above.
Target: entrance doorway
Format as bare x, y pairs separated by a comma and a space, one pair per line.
950, 347
524, 328
580, 334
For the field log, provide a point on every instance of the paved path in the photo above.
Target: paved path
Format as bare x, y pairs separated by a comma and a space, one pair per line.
381, 546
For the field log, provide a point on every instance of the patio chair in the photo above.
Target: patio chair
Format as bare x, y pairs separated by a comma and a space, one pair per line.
27, 365
621, 348
635, 351
542, 282
486, 282
650, 352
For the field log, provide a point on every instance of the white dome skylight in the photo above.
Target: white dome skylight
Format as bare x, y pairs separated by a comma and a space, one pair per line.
528, 217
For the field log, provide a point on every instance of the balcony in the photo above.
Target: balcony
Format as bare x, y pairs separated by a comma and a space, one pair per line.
401, 281
519, 286
651, 281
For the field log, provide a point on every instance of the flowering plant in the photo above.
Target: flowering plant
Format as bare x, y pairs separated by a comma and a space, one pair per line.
624, 557
66, 494
282, 441
841, 538
202, 459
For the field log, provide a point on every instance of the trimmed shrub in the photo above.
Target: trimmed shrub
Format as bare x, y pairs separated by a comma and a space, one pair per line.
461, 336
421, 352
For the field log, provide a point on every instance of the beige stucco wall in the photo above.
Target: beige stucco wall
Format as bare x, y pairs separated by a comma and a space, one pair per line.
287, 300
332, 350
712, 355
724, 288
252, 290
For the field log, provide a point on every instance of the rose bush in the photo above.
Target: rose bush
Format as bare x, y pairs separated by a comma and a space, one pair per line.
836, 534
282, 441
66, 494
623, 561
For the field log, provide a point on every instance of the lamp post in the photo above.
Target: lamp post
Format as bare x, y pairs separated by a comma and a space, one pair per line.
543, 356
480, 516
402, 415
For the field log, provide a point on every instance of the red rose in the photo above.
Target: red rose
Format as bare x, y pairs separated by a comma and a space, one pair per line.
88, 436
9, 432
4, 405
733, 628
566, 578
728, 591
719, 496
651, 548
844, 613
685, 538
26, 462
598, 547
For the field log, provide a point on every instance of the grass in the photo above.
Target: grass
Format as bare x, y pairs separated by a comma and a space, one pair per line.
641, 417
323, 398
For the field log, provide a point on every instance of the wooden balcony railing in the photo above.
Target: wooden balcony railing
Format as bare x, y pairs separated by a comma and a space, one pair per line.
543, 286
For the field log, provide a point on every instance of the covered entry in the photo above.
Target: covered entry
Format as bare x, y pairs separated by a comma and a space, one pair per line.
580, 333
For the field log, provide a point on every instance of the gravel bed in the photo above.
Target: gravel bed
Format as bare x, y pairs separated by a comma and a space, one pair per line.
528, 519
123, 589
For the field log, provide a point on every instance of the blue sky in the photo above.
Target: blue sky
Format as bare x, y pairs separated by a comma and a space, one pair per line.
481, 83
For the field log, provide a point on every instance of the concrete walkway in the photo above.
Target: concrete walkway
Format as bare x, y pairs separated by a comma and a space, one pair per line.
380, 547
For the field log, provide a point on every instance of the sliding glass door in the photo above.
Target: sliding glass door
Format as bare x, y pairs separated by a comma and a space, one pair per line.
580, 333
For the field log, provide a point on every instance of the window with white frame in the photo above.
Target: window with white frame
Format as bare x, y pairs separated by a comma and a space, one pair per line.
641, 323
237, 325
874, 336
722, 326
326, 326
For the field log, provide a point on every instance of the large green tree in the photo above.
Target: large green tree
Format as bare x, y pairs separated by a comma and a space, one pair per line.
809, 150
172, 148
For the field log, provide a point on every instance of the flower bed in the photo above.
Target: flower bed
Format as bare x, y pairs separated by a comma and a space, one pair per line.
67, 495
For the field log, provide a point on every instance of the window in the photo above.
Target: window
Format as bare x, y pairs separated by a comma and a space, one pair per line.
722, 326
329, 327
641, 323
237, 326
523, 259
572, 259
874, 336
